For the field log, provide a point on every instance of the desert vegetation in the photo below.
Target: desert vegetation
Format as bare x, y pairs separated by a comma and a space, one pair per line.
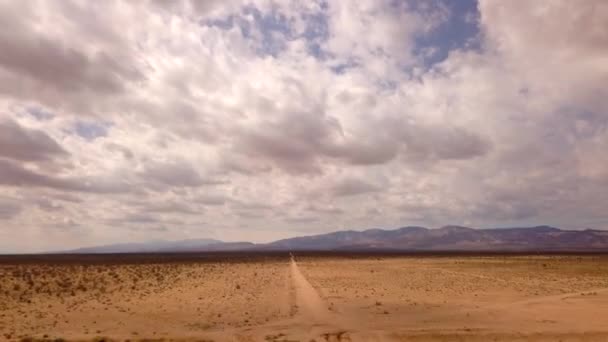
322, 298
137, 300
467, 294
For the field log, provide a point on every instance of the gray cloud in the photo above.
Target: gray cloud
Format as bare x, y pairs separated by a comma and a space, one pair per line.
325, 210
176, 173
329, 118
169, 207
302, 219
249, 215
138, 218
299, 142
507, 211
353, 186
443, 143
293, 147
67, 224
66, 197
12, 174
9, 208
211, 200
20, 143
360, 152
16, 175
62, 67
257, 206
48, 205
113, 147
57, 65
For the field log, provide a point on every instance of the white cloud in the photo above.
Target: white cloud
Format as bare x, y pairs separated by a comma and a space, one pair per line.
253, 120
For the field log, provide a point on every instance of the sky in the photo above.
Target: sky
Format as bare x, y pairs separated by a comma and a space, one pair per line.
254, 120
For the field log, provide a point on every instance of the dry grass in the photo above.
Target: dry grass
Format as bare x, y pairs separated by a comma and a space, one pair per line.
534, 293
454, 277
541, 298
128, 301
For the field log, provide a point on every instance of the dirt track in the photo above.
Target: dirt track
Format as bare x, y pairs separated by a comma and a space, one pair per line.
542, 318
309, 305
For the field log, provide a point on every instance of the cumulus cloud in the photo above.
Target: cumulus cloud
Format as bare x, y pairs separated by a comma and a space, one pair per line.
177, 119
177, 174
174, 174
61, 67
70, 65
12, 174
20, 143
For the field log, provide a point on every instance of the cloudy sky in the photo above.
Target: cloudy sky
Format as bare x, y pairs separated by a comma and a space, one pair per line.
261, 119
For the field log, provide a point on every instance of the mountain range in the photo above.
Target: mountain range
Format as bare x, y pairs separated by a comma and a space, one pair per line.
161, 246
448, 238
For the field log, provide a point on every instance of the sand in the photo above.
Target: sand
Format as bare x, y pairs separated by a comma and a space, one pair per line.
311, 298
137, 301
492, 298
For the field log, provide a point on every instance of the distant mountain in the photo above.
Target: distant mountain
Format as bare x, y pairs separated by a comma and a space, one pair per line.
451, 238
194, 245
448, 238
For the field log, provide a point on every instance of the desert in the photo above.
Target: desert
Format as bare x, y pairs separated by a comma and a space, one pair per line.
315, 171
304, 297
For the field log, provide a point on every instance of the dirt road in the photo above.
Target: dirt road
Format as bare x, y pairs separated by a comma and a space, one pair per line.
309, 305
314, 319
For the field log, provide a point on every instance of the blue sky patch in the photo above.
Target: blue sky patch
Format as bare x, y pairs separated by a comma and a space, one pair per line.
460, 31
91, 130
39, 113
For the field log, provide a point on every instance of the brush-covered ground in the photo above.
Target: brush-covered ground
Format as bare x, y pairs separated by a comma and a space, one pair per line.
140, 300
546, 298
308, 298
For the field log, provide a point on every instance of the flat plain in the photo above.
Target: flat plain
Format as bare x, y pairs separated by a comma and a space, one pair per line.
310, 297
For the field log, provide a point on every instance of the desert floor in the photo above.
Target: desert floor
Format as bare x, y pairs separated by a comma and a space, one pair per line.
309, 298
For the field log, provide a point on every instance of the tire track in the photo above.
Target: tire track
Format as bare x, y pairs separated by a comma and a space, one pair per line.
323, 324
308, 302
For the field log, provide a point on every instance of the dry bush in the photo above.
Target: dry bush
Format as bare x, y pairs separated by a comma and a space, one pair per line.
27, 283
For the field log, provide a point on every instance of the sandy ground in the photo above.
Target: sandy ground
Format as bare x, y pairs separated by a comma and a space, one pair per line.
139, 301
493, 298
312, 299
